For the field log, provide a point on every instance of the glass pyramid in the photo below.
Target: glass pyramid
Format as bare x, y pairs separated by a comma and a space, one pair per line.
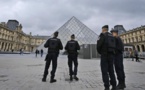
83, 34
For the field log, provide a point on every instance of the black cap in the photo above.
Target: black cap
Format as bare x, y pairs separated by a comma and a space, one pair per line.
113, 30
56, 33
72, 35
105, 26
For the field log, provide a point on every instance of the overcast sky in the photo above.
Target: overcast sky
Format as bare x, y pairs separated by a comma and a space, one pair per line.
43, 17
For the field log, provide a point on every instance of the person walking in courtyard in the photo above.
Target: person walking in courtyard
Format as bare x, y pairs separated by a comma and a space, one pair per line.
54, 45
136, 55
21, 51
36, 52
118, 60
71, 47
132, 54
106, 47
41, 52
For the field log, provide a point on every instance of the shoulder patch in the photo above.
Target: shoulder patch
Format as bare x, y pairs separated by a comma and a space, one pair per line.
98, 38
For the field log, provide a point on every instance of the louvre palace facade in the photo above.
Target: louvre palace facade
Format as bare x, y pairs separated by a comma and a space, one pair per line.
135, 37
12, 38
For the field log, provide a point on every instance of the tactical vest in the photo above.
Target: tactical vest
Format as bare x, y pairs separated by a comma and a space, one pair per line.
53, 44
72, 47
110, 42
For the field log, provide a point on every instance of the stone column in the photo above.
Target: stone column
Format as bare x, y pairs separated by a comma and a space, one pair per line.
144, 47
140, 48
135, 47
9, 47
13, 46
4, 46
0, 44
16, 47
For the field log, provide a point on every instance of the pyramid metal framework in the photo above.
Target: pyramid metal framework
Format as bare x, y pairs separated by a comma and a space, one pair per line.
83, 34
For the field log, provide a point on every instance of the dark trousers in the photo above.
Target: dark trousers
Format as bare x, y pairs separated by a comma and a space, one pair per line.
72, 59
41, 54
107, 68
119, 68
36, 54
51, 57
137, 58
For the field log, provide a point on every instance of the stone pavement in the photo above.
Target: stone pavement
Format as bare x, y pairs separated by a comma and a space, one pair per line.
25, 73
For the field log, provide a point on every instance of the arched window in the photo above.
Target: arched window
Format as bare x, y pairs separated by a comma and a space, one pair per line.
138, 48
133, 47
143, 48
2, 45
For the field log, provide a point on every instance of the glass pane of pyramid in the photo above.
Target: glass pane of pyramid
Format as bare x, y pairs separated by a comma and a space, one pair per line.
83, 34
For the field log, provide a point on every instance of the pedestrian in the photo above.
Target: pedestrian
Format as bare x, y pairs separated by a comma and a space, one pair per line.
41, 52
106, 47
54, 45
12, 50
36, 52
132, 54
136, 55
118, 60
20, 51
71, 47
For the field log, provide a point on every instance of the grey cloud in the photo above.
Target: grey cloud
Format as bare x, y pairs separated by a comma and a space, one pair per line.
46, 16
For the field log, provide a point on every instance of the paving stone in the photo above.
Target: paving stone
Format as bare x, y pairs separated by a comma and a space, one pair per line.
24, 72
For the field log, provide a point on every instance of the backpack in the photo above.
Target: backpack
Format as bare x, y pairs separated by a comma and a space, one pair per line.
72, 46
53, 44
111, 43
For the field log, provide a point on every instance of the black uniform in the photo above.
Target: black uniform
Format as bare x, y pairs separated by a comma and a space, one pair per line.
119, 61
72, 46
53, 45
41, 52
136, 55
107, 55
36, 52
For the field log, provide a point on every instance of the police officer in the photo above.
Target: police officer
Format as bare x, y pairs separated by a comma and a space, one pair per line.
118, 60
105, 47
72, 46
54, 45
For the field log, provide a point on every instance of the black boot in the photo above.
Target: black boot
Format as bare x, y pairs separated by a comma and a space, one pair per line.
52, 80
44, 78
71, 78
76, 78
121, 86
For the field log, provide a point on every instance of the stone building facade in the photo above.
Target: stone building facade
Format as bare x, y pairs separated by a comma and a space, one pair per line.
12, 38
135, 37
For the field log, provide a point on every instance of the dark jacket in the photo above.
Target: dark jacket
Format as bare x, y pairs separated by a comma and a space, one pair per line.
120, 46
60, 47
102, 47
75, 50
41, 51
